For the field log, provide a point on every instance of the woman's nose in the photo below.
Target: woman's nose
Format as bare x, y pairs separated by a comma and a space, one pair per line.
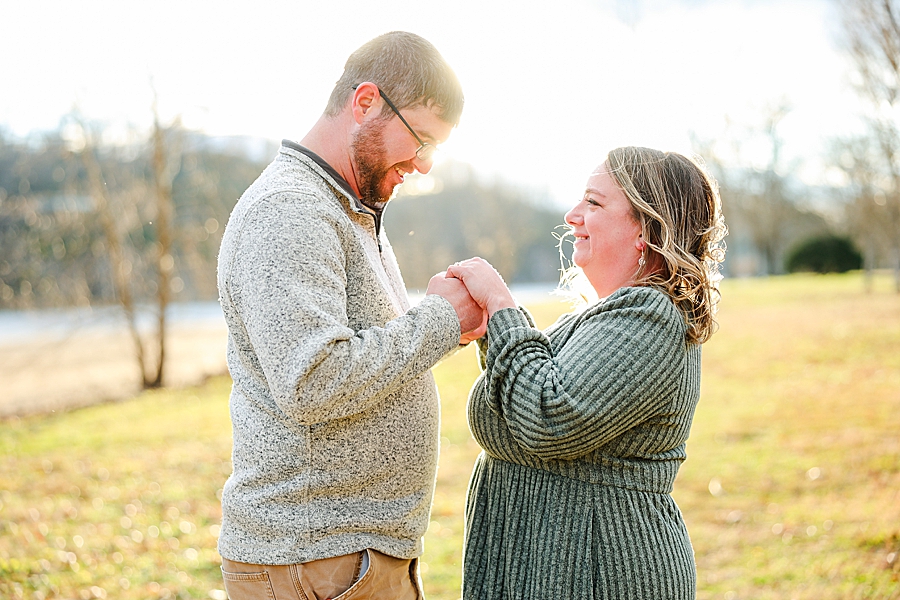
572, 217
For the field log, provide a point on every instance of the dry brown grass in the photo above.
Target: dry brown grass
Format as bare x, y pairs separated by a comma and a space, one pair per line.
791, 489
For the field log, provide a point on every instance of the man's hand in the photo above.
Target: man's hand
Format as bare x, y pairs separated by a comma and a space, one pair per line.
472, 318
476, 333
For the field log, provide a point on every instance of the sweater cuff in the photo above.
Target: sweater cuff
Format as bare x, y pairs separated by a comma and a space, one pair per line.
447, 331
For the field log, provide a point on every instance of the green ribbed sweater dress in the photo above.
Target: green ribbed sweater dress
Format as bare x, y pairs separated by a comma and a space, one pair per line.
583, 428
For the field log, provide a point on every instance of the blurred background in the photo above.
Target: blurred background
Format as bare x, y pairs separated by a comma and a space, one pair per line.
129, 130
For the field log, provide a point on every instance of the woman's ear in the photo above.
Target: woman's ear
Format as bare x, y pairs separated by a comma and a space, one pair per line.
639, 242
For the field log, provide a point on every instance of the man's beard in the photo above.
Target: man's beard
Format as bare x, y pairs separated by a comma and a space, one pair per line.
368, 151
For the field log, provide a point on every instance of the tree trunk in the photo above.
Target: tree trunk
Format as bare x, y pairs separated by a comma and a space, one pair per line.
162, 179
117, 259
869, 265
896, 262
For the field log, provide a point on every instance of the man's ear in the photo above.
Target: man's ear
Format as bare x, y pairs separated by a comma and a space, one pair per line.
366, 99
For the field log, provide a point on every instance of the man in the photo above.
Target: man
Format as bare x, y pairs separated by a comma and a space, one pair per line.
334, 410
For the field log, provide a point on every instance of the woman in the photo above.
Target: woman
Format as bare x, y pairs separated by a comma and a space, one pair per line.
584, 425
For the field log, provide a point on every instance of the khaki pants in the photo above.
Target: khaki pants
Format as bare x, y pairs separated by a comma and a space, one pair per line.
338, 578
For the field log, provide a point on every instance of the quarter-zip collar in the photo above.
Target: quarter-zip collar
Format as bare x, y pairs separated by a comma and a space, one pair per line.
355, 202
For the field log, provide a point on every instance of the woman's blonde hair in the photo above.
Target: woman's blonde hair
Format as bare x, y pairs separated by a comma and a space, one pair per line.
677, 203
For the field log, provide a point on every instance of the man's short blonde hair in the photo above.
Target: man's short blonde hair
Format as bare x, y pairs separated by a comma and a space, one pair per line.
408, 68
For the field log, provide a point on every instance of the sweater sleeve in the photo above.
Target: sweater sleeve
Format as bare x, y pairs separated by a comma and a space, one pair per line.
482, 342
289, 287
614, 371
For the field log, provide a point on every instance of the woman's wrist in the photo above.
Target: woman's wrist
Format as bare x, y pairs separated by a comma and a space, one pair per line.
500, 303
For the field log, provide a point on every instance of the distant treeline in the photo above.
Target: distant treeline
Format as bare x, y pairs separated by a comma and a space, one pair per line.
74, 235
54, 248
515, 229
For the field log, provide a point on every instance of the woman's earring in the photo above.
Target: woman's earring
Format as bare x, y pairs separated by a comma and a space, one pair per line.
641, 261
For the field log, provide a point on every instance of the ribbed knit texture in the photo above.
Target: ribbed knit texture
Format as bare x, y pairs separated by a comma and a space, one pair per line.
334, 410
583, 428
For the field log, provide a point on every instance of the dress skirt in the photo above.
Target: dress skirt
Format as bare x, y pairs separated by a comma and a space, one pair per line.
532, 534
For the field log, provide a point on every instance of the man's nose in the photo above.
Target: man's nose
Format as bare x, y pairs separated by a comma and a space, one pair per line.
423, 166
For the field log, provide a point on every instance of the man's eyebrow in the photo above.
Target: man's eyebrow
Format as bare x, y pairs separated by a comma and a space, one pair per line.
427, 136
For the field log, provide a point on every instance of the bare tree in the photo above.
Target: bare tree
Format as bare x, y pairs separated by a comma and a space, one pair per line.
113, 238
87, 220
165, 165
122, 212
761, 203
867, 217
873, 43
768, 207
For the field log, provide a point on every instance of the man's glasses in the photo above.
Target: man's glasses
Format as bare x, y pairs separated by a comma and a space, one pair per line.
425, 151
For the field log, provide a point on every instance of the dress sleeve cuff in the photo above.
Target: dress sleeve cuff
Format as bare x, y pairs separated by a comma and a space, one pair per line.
504, 320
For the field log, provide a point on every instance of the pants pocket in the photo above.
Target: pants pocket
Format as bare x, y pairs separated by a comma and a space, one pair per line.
387, 578
248, 586
362, 582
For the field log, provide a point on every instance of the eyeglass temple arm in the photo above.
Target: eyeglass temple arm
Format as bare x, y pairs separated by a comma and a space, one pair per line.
397, 112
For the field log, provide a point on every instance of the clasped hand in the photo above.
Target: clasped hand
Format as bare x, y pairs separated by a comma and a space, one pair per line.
476, 290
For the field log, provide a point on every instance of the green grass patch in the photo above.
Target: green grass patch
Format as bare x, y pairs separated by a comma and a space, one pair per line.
791, 488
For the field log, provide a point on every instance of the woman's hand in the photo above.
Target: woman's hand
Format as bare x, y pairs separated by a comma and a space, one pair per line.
484, 284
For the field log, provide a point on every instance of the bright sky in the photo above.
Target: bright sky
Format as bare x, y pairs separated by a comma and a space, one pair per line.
550, 86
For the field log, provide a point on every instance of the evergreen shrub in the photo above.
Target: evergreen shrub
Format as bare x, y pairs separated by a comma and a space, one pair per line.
823, 254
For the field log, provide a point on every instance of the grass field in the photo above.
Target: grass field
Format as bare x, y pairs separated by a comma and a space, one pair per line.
791, 488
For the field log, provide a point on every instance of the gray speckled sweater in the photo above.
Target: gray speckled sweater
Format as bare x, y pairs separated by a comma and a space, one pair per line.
334, 410
583, 428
